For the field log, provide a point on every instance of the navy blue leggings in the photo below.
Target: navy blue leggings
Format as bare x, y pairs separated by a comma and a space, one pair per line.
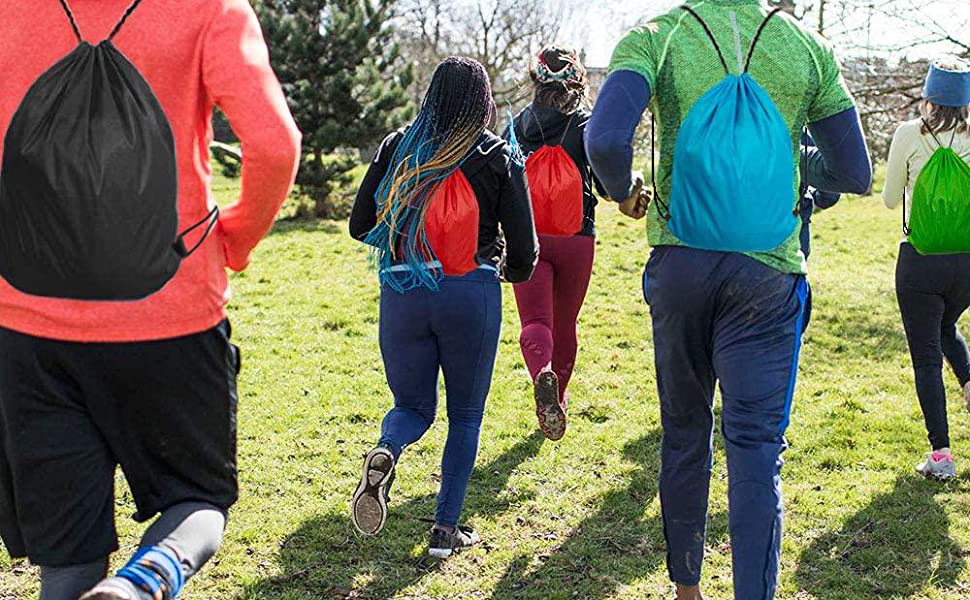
727, 318
933, 292
454, 330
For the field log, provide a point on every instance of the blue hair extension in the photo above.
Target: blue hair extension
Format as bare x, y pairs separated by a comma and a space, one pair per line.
449, 125
515, 150
420, 272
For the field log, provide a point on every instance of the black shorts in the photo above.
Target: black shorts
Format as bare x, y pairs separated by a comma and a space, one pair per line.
71, 412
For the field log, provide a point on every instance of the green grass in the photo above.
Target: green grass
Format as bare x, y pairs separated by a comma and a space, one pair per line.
579, 518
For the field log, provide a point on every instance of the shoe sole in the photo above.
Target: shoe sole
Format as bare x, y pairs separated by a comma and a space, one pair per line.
552, 418
105, 595
933, 476
446, 552
369, 505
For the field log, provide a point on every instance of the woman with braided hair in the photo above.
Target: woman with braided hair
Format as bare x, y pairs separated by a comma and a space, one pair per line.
550, 131
431, 206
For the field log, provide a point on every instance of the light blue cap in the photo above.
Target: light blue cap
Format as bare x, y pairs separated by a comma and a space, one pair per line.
947, 88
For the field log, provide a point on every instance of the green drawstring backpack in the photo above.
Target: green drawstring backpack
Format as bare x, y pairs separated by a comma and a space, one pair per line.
940, 220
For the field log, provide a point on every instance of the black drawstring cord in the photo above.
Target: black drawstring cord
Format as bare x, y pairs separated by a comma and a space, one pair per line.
212, 219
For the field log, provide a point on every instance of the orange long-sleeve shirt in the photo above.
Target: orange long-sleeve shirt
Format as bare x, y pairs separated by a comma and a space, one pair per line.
195, 54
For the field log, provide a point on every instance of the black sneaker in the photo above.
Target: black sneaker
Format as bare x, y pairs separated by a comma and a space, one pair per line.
444, 544
369, 507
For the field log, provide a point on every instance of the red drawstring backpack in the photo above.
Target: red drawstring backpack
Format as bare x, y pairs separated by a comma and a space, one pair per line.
451, 225
556, 187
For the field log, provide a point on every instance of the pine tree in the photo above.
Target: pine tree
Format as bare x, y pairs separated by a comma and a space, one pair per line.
345, 82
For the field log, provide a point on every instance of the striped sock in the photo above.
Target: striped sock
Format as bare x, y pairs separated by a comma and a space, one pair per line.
156, 571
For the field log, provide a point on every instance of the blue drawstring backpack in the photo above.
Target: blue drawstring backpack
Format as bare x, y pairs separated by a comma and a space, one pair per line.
733, 176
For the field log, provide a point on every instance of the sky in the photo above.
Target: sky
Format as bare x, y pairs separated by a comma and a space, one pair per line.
609, 20
604, 21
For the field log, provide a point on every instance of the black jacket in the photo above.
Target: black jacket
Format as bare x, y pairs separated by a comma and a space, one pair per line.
537, 126
506, 231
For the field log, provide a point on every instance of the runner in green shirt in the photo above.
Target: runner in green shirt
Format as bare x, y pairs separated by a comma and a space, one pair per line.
721, 316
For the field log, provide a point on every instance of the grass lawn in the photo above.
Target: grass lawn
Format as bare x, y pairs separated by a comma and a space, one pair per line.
579, 518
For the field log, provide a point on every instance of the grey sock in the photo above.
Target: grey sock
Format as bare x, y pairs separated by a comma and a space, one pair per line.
192, 530
67, 583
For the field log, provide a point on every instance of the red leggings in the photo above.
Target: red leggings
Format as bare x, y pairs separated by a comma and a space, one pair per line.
549, 304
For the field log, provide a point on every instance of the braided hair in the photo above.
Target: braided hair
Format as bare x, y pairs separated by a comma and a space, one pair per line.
559, 80
454, 113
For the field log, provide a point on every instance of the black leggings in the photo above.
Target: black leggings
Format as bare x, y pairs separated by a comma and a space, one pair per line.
933, 291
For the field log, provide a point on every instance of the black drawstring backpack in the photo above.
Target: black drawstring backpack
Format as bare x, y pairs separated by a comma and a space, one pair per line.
89, 184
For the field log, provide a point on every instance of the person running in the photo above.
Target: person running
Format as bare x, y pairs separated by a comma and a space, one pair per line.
933, 290
149, 385
550, 132
732, 85
434, 204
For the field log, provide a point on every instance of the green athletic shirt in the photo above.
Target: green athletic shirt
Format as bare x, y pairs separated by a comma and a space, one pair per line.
796, 67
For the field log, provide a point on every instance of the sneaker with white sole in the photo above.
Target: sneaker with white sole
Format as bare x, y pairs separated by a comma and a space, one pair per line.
443, 543
369, 506
937, 466
113, 588
153, 573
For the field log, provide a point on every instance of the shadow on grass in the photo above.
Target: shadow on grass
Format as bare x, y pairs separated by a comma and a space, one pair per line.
613, 547
894, 547
325, 558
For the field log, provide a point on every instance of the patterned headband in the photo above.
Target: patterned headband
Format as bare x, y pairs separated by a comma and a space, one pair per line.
546, 75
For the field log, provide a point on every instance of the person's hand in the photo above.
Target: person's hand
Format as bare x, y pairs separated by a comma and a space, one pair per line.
646, 197
636, 205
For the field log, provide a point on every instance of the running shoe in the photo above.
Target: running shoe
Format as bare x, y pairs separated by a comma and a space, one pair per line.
937, 466
369, 506
550, 409
113, 588
443, 544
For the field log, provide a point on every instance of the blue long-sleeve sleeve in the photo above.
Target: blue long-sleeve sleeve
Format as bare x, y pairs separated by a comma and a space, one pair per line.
815, 198
840, 162
609, 134
825, 200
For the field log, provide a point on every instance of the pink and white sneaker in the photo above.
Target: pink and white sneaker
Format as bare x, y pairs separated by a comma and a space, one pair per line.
938, 466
